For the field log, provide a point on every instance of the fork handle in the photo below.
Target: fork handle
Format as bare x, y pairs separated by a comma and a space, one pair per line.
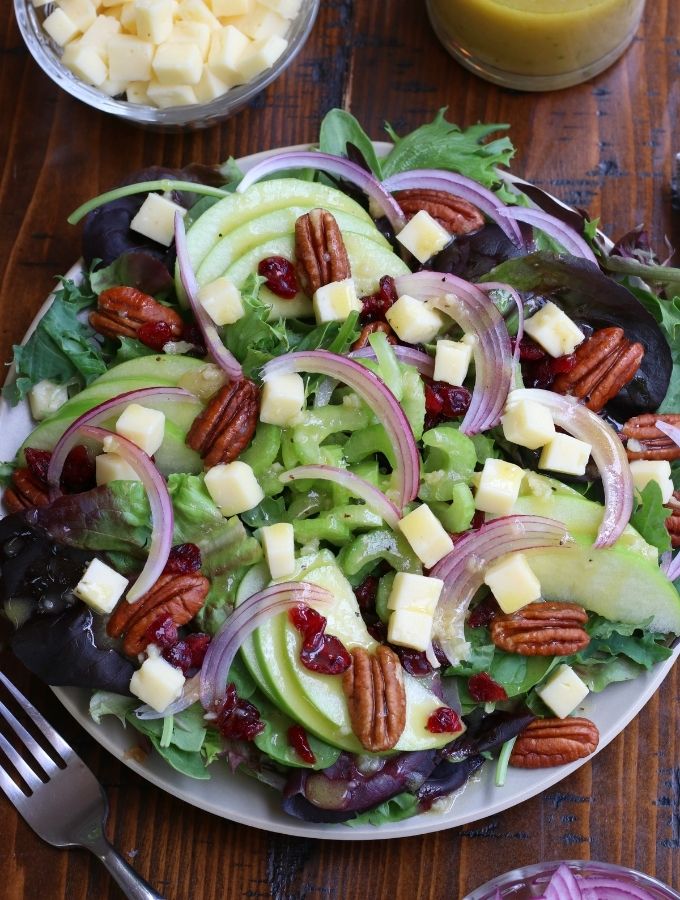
133, 885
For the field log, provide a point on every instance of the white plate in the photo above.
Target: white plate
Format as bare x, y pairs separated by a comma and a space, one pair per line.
242, 799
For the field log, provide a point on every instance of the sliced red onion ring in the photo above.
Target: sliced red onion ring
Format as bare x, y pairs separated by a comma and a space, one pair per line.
371, 495
213, 342
242, 622
423, 362
563, 885
376, 395
462, 570
162, 517
490, 286
190, 695
671, 565
459, 186
96, 416
333, 165
571, 241
476, 314
593, 888
324, 392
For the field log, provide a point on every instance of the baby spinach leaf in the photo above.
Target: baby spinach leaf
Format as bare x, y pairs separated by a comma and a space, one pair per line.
649, 517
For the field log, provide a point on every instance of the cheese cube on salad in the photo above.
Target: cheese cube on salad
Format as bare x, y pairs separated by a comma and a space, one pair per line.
414, 322
101, 587
335, 301
566, 454
279, 549
452, 361
563, 691
46, 397
282, 400
144, 427
233, 487
498, 487
554, 330
512, 582
156, 218
423, 236
112, 467
426, 535
157, 683
659, 470
221, 299
410, 629
416, 593
527, 423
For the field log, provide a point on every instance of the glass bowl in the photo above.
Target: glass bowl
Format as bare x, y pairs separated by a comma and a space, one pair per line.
529, 882
176, 118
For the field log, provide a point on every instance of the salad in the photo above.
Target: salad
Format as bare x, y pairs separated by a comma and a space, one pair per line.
354, 473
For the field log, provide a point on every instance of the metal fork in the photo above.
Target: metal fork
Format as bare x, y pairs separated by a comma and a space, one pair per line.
65, 804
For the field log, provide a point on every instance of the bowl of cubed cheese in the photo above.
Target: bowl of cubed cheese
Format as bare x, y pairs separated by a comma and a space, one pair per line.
166, 64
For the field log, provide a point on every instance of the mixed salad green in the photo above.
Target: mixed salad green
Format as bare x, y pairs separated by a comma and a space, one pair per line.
309, 547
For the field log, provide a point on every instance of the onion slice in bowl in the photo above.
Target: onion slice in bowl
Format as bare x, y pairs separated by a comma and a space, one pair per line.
571, 241
607, 451
241, 623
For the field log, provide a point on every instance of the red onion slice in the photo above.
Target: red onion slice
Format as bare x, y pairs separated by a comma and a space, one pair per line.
571, 241
593, 888
333, 165
376, 395
423, 362
243, 621
563, 885
459, 186
671, 565
213, 342
372, 496
491, 286
190, 695
607, 451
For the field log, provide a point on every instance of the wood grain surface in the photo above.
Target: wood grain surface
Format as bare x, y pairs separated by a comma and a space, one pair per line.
607, 145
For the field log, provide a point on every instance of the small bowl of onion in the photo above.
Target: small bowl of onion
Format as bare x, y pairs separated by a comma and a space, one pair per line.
165, 64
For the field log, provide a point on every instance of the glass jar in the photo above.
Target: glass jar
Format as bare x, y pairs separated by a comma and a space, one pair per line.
535, 45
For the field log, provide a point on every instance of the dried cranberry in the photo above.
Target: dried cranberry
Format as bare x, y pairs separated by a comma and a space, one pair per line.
378, 631
444, 720
484, 689
414, 662
484, 613
529, 351
366, 593
325, 654
308, 621
192, 334
478, 519
162, 632
298, 740
279, 275
188, 653
542, 374
179, 656
38, 462
564, 364
78, 473
376, 305
198, 645
444, 401
238, 719
155, 334
183, 559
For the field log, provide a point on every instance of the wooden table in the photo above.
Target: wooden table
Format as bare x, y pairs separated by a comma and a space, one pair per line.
607, 145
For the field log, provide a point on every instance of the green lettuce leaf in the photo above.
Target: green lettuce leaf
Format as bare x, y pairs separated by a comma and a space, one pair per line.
183, 749
396, 809
649, 517
340, 128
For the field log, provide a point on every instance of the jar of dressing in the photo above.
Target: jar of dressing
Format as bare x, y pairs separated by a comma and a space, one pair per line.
535, 45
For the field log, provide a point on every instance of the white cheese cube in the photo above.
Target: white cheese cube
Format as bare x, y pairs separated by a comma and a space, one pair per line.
260, 55
646, 470
157, 683
81, 12
452, 361
59, 27
282, 400
197, 33
85, 63
221, 299
233, 487
166, 95
136, 92
197, 11
562, 691
156, 216
46, 397
335, 301
128, 17
554, 330
154, 19
286, 8
498, 487
423, 236
229, 8
512, 582
129, 58
226, 50
210, 86
565, 453
279, 549
101, 587
416, 593
266, 24
527, 423
415, 322
113, 88
144, 427
426, 535
112, 467
410, 629
177, 64
98, 34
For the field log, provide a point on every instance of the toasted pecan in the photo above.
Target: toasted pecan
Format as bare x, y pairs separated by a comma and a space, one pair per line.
453, 213
371, 328
646, 441
554, 742
25, 492
321, 256
542, 629
376, 697
226, 426
121, 312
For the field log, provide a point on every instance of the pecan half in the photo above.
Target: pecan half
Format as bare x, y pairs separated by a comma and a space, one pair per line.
453, 213
121, 312
178, 597
320, 251
225, 427
542, 629
554, 742
673, 521
371, 328
645, 441
376, 698
25, 492
605, 363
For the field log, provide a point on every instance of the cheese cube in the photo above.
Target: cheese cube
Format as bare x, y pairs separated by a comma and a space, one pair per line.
415, 322
410, 629
228, 8
112, 467
554, 330
157, 683
46, 397
128, 17
85, 63
335, 301
562, 691
512, 582
286, 8
283, 399
210, 86
136, 92
527, 423
81, 12
233, 487
226, 50
416, 593
113, 88
565, 453
98, 34
423, 236
177, 64
156, 216
165, 95
197, 33
221, 299
101, 587
154, 19
646, 470
129, 58
498, 487
426, 535
59, 27
264, 24
451, 361
197, 11
279, 549
260, 55
144, 427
